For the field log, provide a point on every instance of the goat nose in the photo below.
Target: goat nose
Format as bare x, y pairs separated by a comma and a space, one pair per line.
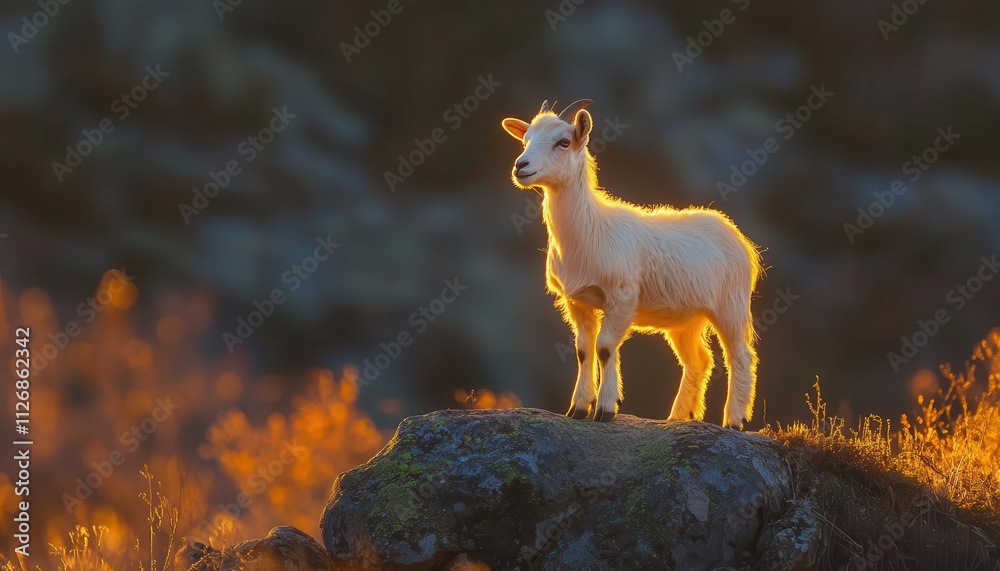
521, 165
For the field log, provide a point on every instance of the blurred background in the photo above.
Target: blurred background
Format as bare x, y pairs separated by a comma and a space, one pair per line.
240, 205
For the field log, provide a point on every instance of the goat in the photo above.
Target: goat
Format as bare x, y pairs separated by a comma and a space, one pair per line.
616, 267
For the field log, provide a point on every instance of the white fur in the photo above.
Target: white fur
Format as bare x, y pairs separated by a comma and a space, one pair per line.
616, 267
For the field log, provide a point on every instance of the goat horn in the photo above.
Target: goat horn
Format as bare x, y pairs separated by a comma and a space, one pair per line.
569, 113
545, 106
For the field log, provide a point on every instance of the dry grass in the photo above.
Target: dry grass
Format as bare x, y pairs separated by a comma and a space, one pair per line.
927, 489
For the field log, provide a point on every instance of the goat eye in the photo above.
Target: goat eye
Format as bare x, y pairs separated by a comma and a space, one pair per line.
564, 143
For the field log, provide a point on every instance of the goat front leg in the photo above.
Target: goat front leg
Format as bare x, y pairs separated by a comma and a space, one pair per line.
619, 312
585, 325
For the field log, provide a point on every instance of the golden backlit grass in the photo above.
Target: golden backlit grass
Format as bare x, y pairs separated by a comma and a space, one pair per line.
951, 446
947, 455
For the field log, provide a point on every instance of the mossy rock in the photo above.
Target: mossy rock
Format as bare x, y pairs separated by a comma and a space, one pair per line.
528, 489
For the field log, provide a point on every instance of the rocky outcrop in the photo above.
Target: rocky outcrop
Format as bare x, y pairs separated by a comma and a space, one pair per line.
526, 489
481, 490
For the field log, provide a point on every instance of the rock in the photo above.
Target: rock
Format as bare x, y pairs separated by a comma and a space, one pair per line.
284, 548
527, 489
791, 541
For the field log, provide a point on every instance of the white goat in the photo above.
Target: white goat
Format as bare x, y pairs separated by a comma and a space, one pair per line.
616, 267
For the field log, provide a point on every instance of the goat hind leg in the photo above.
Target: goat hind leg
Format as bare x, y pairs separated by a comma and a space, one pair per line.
741, 362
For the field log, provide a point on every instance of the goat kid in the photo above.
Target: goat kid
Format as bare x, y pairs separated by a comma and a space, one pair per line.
616, 267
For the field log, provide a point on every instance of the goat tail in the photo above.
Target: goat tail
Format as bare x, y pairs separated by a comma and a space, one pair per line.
756, 270
756, 261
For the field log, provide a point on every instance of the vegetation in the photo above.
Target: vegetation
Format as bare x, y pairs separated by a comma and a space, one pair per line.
932, 484
222, 478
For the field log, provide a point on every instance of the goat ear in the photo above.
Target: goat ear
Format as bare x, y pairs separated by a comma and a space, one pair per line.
516, 127
581, 128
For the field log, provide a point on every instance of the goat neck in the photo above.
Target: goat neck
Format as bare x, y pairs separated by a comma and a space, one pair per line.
572, 212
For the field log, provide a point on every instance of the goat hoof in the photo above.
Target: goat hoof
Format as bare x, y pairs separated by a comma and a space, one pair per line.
736, 426
605, 416
579, 413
